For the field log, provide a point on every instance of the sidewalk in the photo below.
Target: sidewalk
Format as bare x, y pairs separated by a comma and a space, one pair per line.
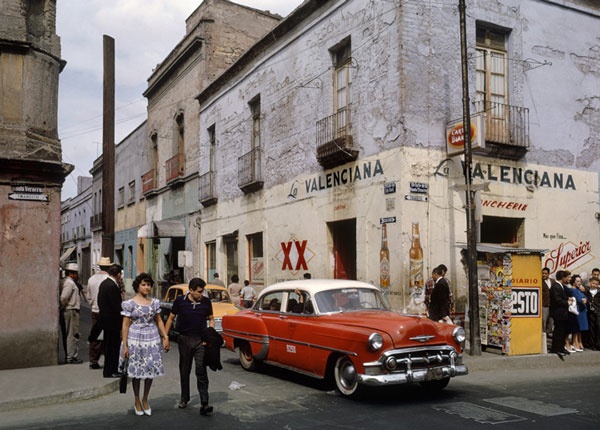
21, 388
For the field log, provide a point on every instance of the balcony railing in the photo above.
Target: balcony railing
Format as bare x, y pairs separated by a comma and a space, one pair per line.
175, 167
506, 130
96, 222
334, 139
149, 182
206, 189
249, 171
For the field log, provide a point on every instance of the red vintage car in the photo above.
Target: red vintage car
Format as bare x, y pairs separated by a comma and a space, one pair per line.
344, 330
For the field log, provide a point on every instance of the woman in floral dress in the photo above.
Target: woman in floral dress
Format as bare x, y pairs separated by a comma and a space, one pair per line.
142, 341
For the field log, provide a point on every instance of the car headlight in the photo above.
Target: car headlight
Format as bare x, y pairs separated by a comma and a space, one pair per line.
375, 341
459, 334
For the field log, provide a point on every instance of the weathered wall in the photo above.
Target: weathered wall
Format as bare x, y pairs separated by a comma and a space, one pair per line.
406, 85
30, 156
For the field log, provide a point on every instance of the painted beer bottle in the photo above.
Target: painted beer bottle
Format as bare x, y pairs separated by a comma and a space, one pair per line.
415, 255
384, 260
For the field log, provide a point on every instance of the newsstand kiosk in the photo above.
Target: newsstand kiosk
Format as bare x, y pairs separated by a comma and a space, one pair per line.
510, 299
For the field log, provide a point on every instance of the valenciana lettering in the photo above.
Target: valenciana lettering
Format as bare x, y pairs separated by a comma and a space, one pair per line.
367, 170
522, 176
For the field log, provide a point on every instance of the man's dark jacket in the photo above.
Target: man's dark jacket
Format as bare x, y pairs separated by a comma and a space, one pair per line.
212, 350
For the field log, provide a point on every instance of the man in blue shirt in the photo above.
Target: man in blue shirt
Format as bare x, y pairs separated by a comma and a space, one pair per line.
193, 310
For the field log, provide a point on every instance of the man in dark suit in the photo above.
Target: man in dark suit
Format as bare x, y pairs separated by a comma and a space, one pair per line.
439, 305
559, 312
110, 319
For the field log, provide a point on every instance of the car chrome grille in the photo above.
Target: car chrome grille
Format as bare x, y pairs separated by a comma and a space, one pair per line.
414, 359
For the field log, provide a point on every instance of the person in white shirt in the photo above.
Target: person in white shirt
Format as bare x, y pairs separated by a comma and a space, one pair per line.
96, 346
247, 295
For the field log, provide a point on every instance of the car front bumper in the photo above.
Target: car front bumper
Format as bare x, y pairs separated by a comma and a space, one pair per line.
403, 366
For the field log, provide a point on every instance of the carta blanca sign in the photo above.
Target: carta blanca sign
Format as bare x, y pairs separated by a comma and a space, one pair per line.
525, 302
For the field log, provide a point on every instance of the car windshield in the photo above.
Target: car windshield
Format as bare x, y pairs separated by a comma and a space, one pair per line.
350, 299
218, 295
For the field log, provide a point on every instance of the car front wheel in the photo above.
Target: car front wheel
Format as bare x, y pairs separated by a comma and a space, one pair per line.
247, 360
346, 379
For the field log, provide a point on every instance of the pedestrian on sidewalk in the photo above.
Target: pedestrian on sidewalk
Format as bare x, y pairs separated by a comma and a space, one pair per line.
217, 281
96, 345
71, 304
192, 310
247, 295
234, 290
144, 339
109, 304
559, 311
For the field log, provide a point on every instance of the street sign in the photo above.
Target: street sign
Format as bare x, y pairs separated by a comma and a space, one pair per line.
387, 220
417, 198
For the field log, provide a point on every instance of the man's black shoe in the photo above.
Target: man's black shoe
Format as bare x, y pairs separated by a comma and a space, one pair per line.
74, 361
95, 366
205, 409
561, 355
114, 375
565, 352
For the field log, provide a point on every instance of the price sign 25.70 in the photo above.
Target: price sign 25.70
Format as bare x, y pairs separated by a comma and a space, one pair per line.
525, 302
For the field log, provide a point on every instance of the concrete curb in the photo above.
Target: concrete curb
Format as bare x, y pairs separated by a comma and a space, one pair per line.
491, 361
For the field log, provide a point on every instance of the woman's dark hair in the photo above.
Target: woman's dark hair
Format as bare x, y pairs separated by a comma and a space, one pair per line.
141, 278
235, 279
574, 278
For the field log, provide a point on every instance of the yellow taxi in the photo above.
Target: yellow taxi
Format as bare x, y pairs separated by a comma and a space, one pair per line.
219, 296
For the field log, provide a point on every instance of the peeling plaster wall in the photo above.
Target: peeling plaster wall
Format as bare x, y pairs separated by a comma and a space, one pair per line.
564, 97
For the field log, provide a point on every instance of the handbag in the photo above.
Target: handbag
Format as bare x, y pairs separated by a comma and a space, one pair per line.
123, 379
573, 308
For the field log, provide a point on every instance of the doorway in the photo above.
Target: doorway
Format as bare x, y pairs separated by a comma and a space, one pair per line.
343, 234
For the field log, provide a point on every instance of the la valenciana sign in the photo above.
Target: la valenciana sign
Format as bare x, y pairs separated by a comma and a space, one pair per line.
455, 135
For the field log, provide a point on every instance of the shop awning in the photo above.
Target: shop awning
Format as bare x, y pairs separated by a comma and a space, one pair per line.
497, 248
163, 228
67, 254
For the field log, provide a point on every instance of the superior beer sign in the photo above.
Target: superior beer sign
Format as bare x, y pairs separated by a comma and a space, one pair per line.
455, 135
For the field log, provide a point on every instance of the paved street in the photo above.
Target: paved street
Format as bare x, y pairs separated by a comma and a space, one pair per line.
559, 398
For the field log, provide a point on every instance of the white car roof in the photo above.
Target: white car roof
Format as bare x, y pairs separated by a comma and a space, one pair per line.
313, 286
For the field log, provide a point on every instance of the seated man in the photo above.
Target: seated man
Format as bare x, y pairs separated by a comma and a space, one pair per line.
274, 305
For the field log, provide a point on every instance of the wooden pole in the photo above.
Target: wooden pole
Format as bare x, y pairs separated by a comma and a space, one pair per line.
108, 150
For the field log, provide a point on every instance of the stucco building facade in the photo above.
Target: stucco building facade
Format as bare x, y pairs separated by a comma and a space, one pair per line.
217, 33
335, 125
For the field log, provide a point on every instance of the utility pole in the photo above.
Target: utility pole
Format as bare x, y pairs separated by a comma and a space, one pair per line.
108, 149
474, 329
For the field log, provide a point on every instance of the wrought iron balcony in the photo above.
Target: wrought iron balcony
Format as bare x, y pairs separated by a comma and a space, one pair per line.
149, 183
96, 222
334, 139
249, 171
175, 168
206, 189
506, 130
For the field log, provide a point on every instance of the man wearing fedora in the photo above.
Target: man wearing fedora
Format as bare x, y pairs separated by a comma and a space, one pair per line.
96, 346
70, 304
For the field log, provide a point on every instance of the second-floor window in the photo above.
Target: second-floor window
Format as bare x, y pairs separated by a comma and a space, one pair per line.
491, 79
255, 112
212, 141
342, 79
